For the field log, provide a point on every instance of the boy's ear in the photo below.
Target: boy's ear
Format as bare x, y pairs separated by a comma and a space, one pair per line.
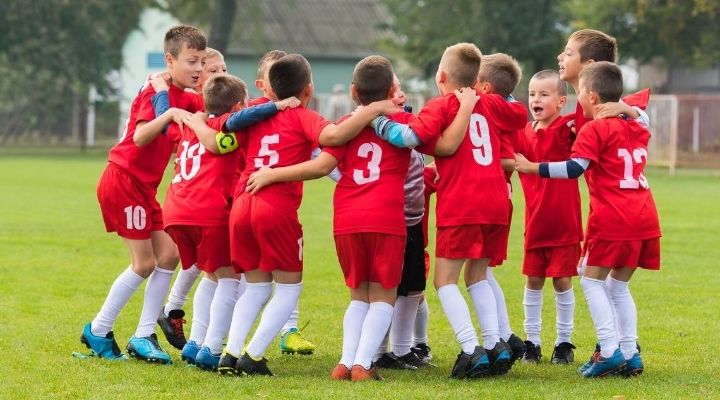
563, 101
594, 98
259, 85
169, 60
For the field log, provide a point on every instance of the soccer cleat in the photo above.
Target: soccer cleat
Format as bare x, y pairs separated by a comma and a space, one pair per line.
391, 361
500, 358
359, 373
533, 353
340, 373
190, 352
563, 354
228, 364
103, 347
147, 349
633, 367
292, 342
413, 360
602, 366
517, 346
247, 366
206, 360
172, 327
472, 365
592, 359
422, 350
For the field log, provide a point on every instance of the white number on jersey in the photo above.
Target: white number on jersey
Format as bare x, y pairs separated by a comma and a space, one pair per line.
480, 138
374, 152
136, 217
189, 155
265, 151
635, 158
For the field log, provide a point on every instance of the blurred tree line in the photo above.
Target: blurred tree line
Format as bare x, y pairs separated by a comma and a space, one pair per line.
52, 51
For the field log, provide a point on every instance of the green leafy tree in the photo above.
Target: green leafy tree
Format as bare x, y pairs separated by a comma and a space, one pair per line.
51, 51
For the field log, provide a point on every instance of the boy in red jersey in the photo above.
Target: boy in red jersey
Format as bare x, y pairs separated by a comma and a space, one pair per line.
623, 231
265, 234
552, 234
197, 208
370, 240
126, 193
465, 230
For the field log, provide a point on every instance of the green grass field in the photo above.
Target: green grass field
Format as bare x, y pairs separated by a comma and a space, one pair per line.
58, 263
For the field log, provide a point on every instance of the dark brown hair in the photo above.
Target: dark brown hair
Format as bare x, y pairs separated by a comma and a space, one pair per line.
290, 75
501, 71
373, 78
595, 45
190, 36
222, 92
603, 78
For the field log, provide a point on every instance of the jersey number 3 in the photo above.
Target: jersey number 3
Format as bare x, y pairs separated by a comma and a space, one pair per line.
374, 153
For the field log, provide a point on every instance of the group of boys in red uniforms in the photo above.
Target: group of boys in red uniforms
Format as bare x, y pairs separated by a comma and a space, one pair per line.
255, 231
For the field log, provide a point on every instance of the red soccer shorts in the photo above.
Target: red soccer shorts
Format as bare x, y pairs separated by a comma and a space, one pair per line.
128, 207
470, 241
624, 253
263, 236
371, 257
206, 246
552, 262
506, 238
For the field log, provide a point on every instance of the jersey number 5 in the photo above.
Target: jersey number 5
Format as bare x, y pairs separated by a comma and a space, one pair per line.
635, 158
374, 153
480, 138
267, 157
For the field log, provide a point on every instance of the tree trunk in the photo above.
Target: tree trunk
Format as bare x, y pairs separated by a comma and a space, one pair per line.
222, 22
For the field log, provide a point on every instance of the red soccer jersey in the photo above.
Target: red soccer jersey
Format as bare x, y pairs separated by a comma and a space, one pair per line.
370, 195
638, 99
287, 138
472, 187
621, 204
147, 164
552, 206
202, 185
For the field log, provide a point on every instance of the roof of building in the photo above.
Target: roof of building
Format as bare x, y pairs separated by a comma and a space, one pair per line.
314, 28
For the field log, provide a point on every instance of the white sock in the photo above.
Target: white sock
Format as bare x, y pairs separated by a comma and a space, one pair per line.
458, 314
155, 292
403, 322
420, 333
275, 315
376, 324
247, 309
221, 311
352, 328
565, 311
532, 303
120, 292
202, 302
599, 305
626, 314
383, 348
502, 313
612, 307
180, 288
292, 321
484, 301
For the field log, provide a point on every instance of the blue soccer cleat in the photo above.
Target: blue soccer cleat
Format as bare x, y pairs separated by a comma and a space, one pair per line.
206, 360
472, 365
602, 366
633, 367
500, 358
147, 349
103, 347
190, 352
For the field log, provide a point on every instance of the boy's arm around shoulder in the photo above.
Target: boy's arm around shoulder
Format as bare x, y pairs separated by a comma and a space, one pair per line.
146, 132
240, 120
453, 135
337, 135
312, 169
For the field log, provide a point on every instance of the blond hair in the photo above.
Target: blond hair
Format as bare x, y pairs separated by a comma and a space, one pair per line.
595, 45
501, 71
461, 63
552, 74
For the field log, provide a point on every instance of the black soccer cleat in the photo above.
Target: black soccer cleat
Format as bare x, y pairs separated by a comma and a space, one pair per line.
413, 360
247, 366
533, 353
517, 346
391, 361
563, 354
172, 327
473, 365
500, 358
227, 365
422, 350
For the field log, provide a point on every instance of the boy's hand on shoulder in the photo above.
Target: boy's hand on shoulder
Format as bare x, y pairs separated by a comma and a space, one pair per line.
522, 164
179, 116
290, 102
612, 109
259, 179
467, 97
384, 107
196, 121
160, 81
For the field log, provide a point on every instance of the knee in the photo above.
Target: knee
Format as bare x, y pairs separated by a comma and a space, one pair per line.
144, 267
535, 282
168, 258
